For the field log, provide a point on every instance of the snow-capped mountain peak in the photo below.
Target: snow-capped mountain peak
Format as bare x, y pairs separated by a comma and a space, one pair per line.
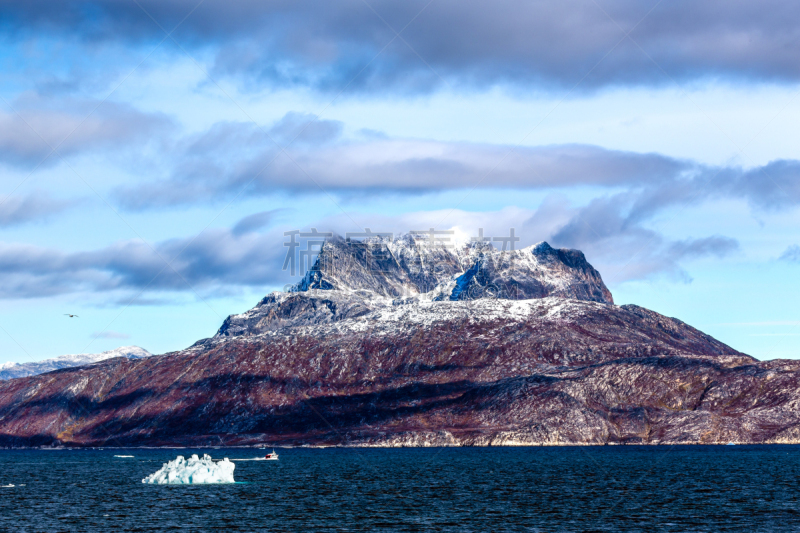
350, 279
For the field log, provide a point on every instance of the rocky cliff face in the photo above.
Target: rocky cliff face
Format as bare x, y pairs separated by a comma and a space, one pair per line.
352, 279
412, 267
409, 354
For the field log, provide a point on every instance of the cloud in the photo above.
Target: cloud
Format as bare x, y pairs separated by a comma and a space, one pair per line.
256, 221
219, 261
107, 334
716, 245
626, 249
464, 223
772, 186
37, 126
205, 262
15, 210
791, 254
301, 128
232, 156
351, 45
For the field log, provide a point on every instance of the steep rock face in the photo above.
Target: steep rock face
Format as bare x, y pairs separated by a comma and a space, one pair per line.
535, 272
350, 279
410, 266
390, 268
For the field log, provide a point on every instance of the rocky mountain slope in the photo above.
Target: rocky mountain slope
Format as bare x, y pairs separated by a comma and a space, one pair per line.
389, 343
353, 279
19, 370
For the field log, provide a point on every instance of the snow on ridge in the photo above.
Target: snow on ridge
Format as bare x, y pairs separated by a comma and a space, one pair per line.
426, 313
20, 370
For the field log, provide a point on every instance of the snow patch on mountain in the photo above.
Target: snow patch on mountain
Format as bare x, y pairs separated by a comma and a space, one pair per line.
389, 318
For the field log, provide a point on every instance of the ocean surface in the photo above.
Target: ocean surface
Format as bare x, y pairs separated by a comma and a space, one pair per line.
613, 488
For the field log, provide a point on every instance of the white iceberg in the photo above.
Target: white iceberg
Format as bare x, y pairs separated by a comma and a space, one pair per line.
194, 471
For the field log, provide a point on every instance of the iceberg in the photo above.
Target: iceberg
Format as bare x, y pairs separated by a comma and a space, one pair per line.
194, 471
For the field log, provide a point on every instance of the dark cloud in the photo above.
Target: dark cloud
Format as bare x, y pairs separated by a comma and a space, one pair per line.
29, 134
215, 258
477, 44
791, 254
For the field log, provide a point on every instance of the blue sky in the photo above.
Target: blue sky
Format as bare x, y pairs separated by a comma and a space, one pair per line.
153, 153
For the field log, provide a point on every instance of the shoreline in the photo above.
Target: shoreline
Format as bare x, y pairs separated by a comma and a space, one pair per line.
396, 446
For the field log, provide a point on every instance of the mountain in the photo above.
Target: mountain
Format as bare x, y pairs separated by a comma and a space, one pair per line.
19, 370
393, 342
352, 279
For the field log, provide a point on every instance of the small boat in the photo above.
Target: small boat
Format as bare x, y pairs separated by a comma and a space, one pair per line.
271, 456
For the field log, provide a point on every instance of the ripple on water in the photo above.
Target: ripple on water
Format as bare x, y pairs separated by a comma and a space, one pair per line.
684, 488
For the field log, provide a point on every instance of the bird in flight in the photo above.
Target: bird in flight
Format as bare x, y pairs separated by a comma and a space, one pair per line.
71, 316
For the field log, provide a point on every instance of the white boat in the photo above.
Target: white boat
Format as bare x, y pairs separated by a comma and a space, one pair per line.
271, 456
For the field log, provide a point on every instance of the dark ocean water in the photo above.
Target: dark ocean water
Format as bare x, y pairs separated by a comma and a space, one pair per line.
626, 488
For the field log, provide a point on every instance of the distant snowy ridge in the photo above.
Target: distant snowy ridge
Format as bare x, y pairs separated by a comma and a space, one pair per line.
21, 370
